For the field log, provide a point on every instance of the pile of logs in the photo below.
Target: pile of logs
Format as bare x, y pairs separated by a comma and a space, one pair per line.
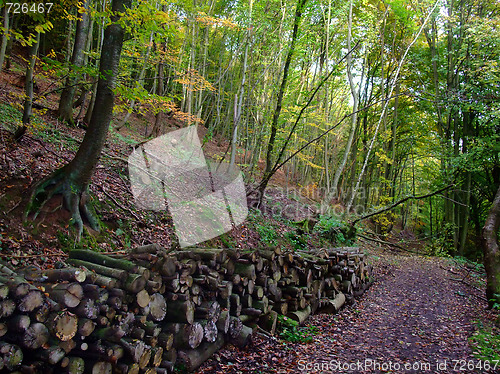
151, 309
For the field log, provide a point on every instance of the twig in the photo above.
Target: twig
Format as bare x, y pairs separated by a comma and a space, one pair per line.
261, 331
468, 284
14, 207
386, 243
31, 256
118, 204
400, 202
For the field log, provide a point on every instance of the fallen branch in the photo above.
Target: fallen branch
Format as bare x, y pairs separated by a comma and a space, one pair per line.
412, 197
386, 243
34, 255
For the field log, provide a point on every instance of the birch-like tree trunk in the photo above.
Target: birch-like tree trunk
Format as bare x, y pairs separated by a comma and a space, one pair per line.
238, 101
384, 108
354, 117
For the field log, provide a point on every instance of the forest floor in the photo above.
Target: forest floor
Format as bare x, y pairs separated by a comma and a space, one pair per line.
418, 317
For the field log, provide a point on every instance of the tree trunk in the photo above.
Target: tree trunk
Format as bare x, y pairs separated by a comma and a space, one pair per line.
274, 125
28, 101
65, 111
5, 39
73, 179
354, 117
491, 252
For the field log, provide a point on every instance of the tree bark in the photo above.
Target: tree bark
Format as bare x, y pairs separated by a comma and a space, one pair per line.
65, 110
28, 101
5, 38
73, 179
491, 252
274, 124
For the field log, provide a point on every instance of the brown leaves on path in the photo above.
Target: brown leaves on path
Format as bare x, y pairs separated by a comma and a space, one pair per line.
414, 319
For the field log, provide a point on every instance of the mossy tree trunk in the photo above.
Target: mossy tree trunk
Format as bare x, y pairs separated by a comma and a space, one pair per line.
73, 179
492, 251
82, 29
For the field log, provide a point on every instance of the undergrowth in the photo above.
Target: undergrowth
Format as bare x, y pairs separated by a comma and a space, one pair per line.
485, 343
291, 331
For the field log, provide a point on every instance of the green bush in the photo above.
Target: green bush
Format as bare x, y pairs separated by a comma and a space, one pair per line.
290, 330
335, 230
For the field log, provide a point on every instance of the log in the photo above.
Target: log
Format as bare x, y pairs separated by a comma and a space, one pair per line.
243, 338
245, 270
119, 274
181, 311
134, 283
251, 312
76, 365
235, 326
193, 359
4, 291
18, 323
135, 348
333, 305
64, 325
31, 301
68, 274
156, 356
7, 308
268, 322
102, 259
300, 315
210, 331
166, 340
102, 367
12, 355
35, 336
223, 322
51, 355
68, 294
42, 313
3, 329
86, 309
18, 287
281, 307
209, 310
186, 335
157, 307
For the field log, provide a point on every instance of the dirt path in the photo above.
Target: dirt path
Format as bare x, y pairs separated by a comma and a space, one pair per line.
414, 319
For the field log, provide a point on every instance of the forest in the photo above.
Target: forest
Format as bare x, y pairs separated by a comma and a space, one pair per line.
367, 133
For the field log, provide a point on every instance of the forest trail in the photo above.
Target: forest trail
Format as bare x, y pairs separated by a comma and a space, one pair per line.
414, 318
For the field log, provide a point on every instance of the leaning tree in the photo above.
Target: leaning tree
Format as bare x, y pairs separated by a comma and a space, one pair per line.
73, 179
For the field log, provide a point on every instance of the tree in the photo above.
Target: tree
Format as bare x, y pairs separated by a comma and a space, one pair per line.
73, 179
268, 172
491, 251
82, 29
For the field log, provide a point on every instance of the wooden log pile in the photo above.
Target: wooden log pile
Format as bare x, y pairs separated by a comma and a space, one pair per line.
151, 309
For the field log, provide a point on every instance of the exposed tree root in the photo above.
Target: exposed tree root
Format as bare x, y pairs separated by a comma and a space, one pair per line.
76, 200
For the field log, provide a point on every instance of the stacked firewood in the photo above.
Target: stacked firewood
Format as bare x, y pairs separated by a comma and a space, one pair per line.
151, 309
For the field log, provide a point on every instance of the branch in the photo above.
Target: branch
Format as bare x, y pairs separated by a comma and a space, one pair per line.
386, 243
277, 167
277, 164
400, 202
